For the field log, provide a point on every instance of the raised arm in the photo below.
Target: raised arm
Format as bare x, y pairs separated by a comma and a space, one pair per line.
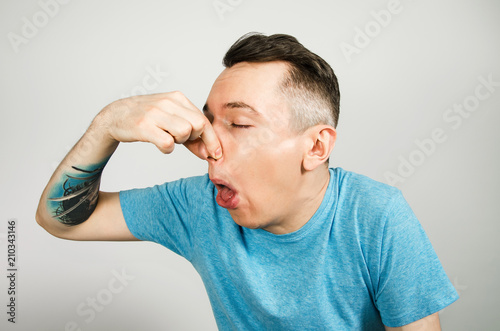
72, 207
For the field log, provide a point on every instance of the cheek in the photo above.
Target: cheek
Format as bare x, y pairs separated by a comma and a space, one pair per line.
256, 144
272, 163
259, 155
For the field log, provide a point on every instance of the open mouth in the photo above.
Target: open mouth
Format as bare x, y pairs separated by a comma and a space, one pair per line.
227, 197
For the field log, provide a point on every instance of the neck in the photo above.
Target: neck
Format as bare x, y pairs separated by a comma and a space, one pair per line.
307, 199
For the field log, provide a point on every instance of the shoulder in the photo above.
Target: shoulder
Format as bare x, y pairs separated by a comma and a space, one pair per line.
359, 191
189, 185
196, 184
182, 191
370, 210
190, 182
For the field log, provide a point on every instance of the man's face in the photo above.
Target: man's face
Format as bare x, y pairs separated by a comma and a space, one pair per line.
258, 176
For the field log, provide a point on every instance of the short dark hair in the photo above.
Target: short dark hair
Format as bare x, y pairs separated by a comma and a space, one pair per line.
311, 86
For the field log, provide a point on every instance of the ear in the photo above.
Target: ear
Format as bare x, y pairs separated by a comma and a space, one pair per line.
320, 142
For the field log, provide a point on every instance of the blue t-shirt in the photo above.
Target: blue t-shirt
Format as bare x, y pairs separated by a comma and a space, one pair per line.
362, 261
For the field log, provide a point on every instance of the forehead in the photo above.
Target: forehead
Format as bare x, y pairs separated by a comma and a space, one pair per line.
253, 84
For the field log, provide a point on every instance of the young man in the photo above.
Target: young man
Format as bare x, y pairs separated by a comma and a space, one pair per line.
281, 241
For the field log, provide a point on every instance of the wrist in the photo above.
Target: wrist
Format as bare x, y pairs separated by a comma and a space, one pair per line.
100, 128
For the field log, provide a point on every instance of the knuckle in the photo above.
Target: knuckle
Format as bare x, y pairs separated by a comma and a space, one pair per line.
199, 123
166, 146
177, 95
141, 123
164, 102
184, 130
150, 109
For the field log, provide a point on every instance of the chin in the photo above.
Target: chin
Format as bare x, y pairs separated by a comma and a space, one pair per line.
246, 221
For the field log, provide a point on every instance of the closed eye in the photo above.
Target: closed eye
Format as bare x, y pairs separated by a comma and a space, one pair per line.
240, 126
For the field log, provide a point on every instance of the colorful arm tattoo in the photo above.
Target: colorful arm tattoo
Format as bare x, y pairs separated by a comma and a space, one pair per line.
75, 200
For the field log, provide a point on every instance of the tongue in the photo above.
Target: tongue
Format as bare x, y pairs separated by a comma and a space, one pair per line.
226, 193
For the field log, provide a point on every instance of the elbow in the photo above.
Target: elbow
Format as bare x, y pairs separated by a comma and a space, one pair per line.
49, 224
39, 218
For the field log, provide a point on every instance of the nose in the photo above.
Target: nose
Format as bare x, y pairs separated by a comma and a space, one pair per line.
220, 137
211, 159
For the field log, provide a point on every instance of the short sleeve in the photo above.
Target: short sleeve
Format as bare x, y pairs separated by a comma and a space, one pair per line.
165, 214
412, 283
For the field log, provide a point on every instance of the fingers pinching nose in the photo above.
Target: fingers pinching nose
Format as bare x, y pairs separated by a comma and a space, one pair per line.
217, 155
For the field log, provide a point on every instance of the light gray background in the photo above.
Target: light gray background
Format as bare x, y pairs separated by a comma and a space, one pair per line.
395, 91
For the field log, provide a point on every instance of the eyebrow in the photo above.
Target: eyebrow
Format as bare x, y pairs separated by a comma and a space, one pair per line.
235, 105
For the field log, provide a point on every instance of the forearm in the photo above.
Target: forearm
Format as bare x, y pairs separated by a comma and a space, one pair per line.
72, 192
71, 196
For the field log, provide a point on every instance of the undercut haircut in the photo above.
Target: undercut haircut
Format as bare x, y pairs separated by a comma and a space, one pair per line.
310, 86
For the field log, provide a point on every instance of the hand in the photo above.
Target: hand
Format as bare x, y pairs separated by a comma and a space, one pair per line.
162, 119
